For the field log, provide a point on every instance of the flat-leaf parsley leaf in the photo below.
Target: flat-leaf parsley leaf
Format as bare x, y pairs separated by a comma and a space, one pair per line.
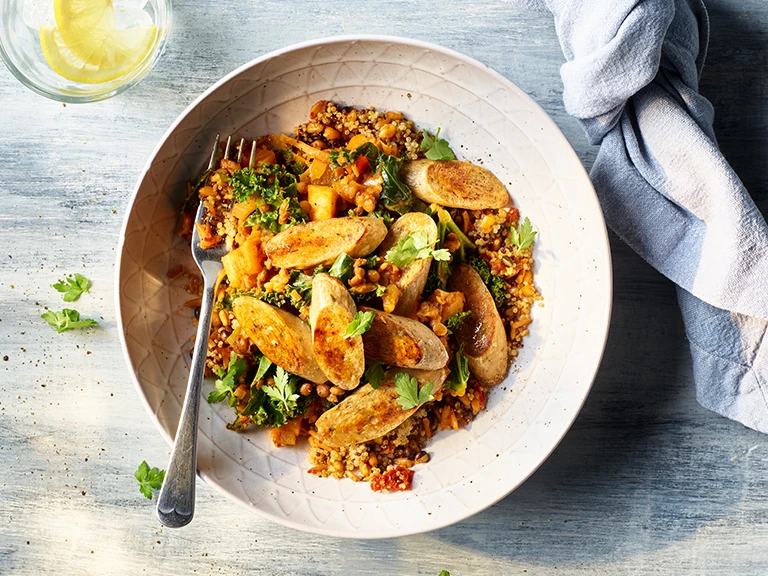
374, 374
224, 387
360, 324
67, 319
284, 390
523, 236
412, 247
72, 288
149, 479
264, 364
436, 148
410, 395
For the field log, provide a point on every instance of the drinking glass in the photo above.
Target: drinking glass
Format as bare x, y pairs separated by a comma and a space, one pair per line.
21, 50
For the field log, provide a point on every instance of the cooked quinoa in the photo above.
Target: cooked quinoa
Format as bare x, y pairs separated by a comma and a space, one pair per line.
386, 461
329, 126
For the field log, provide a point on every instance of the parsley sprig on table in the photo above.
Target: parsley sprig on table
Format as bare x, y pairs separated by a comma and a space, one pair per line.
72, 288
410, 394
412, 247
523, 236
436, 148
67, 319
360, 324
149, 479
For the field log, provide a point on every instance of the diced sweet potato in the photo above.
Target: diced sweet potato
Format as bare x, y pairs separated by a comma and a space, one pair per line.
317, 168
241, 210
322, 201
306, 149
358, 140
244, 262
265, 156
287, 434
207, 237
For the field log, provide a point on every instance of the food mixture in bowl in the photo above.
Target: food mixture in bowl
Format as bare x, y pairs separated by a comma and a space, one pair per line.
374, 290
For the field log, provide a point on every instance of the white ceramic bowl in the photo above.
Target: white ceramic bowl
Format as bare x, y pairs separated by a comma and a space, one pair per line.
486, 118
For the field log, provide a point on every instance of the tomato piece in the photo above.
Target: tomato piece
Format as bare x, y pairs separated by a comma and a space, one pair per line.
362, 164
394, 480
175, 271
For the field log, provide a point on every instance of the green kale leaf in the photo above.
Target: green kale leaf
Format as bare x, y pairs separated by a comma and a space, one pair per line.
395, 195
342, 267
496, 285
274, 189
459, 376
456, 320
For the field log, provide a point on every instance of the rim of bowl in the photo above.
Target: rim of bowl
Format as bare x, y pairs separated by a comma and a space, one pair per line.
138, 74
606, 316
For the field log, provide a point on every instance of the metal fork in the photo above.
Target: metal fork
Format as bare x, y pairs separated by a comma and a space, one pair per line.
176, 502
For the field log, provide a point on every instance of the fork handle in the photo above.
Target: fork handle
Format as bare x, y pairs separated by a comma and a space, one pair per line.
176, 502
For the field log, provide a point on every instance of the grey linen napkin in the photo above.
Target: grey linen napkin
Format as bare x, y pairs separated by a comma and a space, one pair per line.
632, 78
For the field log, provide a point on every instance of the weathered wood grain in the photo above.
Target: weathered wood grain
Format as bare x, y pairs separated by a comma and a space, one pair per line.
646, 481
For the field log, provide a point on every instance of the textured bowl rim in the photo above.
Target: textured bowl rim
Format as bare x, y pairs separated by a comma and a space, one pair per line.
401, 40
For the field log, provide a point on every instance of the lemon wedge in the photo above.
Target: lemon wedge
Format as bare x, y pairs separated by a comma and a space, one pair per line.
85, 46
84, 21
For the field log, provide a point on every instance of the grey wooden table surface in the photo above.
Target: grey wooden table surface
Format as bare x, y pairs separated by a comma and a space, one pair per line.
646, 482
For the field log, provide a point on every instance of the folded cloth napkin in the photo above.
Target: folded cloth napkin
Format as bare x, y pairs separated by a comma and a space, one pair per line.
631, 78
